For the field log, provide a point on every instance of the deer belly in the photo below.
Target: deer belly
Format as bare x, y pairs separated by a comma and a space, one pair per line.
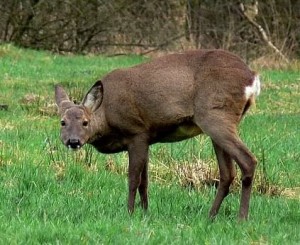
178, 133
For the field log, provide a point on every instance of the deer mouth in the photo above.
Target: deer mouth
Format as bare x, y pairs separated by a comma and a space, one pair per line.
74, 144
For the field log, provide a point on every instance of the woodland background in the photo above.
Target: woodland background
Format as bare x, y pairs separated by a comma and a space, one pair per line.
248, 28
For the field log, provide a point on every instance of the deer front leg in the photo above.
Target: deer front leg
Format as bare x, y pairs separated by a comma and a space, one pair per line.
143, 187
137, 171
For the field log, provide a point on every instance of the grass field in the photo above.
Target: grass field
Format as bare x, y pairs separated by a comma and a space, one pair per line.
51, 195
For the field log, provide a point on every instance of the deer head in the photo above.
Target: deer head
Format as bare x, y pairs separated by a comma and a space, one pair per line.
77, 120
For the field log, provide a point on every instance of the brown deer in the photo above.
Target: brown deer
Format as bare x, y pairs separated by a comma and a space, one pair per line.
169, 99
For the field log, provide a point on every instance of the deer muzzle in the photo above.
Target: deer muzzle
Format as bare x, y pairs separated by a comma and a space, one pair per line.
74, 144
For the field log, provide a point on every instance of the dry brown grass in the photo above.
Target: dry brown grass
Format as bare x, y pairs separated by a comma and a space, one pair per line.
38, 104
292, 193
274, 63
197, 175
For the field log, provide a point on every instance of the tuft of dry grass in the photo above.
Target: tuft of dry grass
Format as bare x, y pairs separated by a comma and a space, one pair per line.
59, 169
38, 104
188, 175
292, 193
197, 175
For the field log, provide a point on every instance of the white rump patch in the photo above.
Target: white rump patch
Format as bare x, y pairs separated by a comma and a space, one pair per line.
254, 89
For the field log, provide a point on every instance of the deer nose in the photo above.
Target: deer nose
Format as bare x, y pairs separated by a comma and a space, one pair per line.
74, 143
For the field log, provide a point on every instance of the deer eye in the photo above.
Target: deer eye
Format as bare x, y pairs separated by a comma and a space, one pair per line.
62, 123
85, 123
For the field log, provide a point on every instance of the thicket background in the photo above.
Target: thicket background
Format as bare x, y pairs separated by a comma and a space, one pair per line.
143, 26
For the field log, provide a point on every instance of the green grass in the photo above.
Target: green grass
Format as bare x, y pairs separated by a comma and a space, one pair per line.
50, 195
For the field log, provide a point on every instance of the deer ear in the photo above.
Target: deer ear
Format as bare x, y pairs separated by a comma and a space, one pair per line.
62, 99
94, 97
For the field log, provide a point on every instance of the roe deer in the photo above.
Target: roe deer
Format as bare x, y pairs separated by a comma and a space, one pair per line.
169, 99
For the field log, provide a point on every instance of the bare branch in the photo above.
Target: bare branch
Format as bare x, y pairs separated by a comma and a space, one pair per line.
250, 12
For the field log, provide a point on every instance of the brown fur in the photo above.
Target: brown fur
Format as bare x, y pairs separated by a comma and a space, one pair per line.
169, 99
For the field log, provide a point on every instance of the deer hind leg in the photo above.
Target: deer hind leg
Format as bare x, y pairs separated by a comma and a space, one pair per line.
227, 174
223, 132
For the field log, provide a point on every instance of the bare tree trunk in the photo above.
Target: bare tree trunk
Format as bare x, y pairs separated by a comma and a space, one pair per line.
29, 14
192, 25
